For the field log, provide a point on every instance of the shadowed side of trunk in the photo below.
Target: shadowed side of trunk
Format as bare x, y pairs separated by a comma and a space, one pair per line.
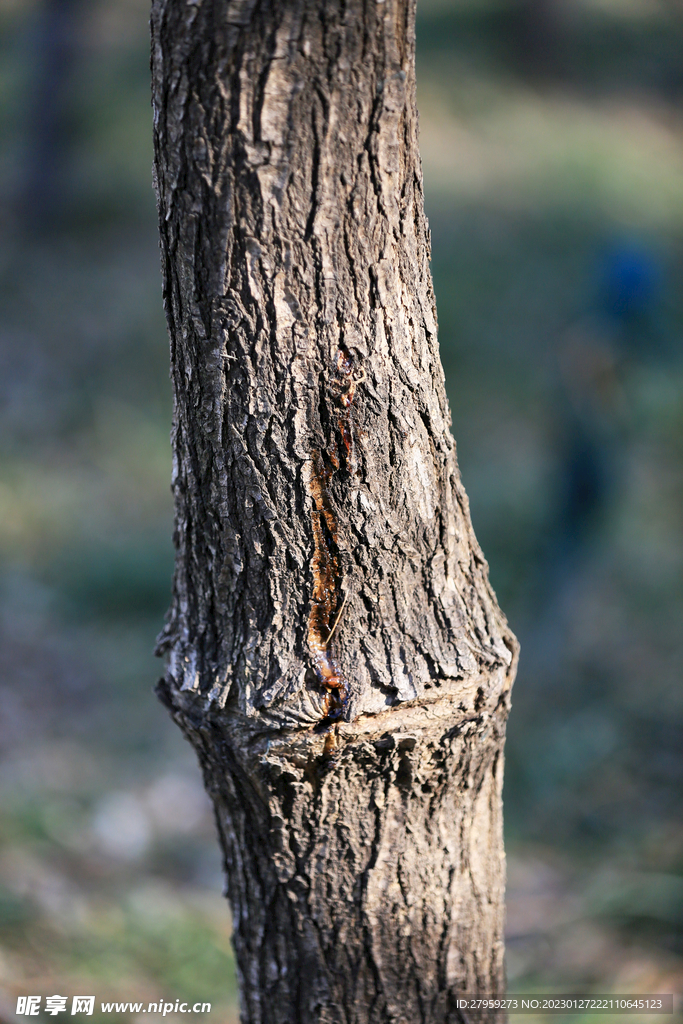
335, 652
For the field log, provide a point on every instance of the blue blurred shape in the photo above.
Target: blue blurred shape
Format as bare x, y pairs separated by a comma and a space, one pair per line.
631, 279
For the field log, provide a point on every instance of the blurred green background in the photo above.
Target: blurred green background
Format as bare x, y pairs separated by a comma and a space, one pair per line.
552, 141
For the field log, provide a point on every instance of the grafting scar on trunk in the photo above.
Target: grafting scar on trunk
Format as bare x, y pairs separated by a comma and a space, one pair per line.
327, 602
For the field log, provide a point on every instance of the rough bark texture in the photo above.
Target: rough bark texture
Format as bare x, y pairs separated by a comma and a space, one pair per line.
335, 652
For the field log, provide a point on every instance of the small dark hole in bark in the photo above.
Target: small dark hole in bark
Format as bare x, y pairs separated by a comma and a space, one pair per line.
407, 742
480, 699
324, 724
404, 775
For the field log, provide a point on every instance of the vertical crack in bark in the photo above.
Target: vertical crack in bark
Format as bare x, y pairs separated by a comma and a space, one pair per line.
327, 580
327, 602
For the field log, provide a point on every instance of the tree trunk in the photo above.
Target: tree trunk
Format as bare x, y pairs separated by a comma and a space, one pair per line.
335, 652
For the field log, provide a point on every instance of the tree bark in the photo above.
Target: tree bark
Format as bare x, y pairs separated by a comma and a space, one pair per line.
335, 652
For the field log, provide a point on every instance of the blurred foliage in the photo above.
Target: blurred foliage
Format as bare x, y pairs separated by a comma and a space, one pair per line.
552, 141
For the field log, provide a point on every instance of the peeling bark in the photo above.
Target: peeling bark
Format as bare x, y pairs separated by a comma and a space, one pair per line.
335, 652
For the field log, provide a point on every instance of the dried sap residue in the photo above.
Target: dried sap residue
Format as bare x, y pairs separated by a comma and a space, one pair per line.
326, 590
326, 603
